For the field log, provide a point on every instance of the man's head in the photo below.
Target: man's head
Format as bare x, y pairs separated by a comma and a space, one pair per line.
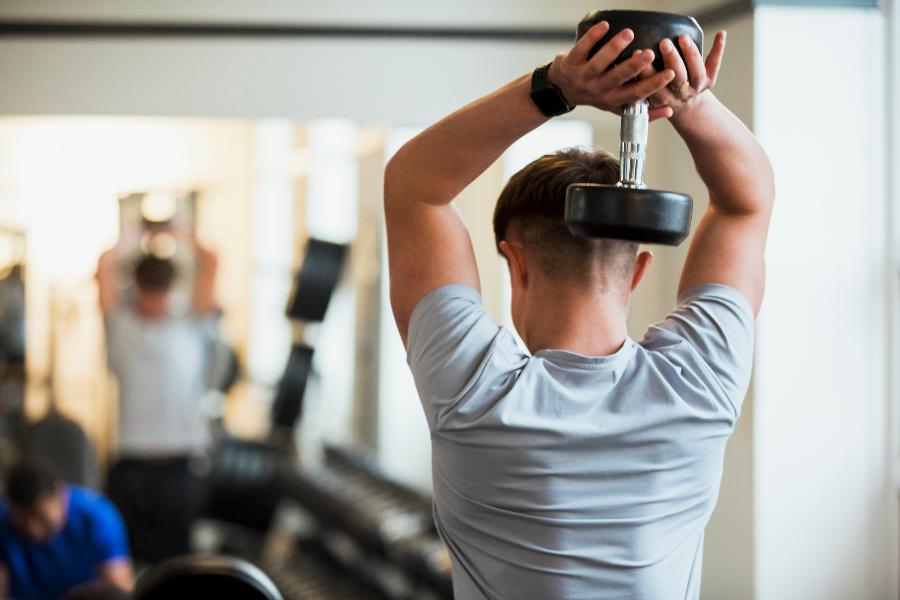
531, 233
37, 500
154, 278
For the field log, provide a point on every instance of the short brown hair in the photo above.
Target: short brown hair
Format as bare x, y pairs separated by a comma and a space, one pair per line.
153, 274
531, 208
30, 480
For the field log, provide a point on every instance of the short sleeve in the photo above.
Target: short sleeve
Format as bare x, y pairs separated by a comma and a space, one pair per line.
711, 331
109, 539
208, 324
454, 344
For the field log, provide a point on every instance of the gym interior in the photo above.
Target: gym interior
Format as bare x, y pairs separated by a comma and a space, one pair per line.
259, 133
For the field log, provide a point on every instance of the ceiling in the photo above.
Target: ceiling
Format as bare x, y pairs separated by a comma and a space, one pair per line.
420, 13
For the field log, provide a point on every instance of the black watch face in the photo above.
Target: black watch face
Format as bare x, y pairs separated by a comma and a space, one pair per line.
549, 101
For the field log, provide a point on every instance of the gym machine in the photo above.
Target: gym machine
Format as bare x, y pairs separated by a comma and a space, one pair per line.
629, 210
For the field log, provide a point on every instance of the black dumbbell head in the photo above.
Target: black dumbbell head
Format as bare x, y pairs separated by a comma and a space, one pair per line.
650, 28
639, 215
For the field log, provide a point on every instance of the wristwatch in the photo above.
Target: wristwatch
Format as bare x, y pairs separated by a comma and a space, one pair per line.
548, 98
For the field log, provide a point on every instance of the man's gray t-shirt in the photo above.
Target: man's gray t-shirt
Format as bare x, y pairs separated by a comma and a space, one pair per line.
160, 366
567, 476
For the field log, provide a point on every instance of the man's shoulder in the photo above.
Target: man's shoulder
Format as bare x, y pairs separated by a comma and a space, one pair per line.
708, 339
89, 504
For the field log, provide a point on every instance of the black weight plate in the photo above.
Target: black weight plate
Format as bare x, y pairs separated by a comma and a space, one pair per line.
639, 215
288, 404
650, 28
205, 576
318, 276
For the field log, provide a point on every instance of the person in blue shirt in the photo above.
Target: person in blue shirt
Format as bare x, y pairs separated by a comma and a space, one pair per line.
55, 536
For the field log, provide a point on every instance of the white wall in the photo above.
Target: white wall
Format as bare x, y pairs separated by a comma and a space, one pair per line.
820, 389
292, 78
893, 170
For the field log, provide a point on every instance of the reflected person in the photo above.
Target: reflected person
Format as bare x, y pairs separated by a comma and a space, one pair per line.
159, 359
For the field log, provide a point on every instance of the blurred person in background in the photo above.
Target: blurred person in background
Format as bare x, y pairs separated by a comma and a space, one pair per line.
54, 536
160, 360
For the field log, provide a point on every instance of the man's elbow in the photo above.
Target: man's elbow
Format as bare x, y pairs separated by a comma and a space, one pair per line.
393, 181
769, 187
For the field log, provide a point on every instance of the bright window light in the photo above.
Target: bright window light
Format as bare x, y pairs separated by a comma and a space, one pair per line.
331, 207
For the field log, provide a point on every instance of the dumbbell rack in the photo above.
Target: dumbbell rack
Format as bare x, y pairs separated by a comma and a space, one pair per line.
313, 574
374, 526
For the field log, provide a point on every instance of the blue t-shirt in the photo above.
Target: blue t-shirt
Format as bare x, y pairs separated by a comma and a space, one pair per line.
93, 535
560, 475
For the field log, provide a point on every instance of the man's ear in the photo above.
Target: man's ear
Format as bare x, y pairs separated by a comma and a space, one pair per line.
515, 256
641, 266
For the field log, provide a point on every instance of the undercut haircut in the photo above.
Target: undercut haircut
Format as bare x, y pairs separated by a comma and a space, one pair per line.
531, 211
153, 274
30, 480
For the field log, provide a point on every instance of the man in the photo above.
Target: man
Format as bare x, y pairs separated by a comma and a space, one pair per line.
589, 468
160, 361
54, 537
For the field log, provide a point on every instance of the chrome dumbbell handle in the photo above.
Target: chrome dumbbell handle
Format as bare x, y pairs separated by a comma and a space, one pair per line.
633, 144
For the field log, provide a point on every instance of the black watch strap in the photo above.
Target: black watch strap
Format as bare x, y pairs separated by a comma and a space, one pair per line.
548, 98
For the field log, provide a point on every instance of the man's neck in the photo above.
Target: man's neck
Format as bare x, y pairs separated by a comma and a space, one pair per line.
592, 324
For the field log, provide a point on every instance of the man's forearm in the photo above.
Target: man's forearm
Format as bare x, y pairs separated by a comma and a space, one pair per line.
435, 166
728, 157
205, 280
106, 284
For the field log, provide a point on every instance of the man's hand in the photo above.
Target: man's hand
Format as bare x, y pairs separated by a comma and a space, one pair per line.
692, 75
117, 572
592, 82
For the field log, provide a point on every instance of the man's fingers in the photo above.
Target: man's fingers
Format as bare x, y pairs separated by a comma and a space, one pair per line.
611, 50
628, 70
693, 60
649, 71
714, 60
643, 88
661, 112
579, 52
672, 60
664, 97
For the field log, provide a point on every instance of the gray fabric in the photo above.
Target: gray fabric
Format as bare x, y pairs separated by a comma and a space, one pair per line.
567, 476
160, 366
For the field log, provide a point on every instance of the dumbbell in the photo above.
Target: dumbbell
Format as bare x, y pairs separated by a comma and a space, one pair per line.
629, 210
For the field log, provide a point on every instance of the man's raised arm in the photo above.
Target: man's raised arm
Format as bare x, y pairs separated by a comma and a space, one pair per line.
729, 244
428, 245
